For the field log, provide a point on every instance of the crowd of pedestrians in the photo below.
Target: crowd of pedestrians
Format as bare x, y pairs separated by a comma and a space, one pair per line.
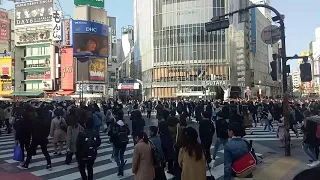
172, 146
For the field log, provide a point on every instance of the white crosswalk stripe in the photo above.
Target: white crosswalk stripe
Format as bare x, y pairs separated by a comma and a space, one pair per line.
259, 134
104, 169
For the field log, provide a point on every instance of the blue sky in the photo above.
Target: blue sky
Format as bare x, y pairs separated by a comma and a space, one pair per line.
300, 19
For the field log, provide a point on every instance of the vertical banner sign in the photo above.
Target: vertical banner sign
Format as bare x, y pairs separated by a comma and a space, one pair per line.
253, 31
56, 26
66, 32
67, 69
4, 26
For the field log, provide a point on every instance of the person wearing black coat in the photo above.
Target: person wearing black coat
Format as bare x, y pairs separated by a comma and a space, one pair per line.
39, 134
221, 129
206, 132
138, 122
167, 144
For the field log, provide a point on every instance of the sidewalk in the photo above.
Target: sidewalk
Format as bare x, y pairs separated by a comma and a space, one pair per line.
280, 167
8, 172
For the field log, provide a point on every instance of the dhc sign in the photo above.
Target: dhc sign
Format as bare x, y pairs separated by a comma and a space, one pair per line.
91, 29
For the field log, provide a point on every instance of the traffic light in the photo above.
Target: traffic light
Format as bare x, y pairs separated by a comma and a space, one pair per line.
305, 72
273, 72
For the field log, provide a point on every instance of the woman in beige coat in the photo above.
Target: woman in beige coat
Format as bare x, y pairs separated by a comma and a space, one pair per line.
57, 132
142, 163
191, 157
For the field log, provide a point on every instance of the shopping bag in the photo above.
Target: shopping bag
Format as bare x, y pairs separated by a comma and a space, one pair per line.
17, 154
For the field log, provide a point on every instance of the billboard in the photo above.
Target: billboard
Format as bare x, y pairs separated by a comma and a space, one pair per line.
97, 69
33, 12
90, 38
5, 69
90, 88
4, 23
94, 3
57, 26
67, 69
42, 36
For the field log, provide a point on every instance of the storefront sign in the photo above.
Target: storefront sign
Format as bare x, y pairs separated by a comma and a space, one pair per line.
33, 38
56, 28
90, 88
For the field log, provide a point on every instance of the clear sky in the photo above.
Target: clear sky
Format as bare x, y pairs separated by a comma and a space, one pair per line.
301, 19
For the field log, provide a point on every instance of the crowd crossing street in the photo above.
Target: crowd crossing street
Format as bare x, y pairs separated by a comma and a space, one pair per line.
104, 168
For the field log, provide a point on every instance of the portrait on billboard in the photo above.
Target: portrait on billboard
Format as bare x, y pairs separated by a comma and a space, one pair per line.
33, 12
91, 45
97, 69
90, 39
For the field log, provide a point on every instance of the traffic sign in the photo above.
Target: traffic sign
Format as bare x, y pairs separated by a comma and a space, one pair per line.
271, 34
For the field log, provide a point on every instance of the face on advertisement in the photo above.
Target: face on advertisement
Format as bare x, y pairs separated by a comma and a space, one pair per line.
90, 45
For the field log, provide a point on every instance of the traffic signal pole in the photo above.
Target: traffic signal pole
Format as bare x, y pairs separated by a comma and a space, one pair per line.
221, 22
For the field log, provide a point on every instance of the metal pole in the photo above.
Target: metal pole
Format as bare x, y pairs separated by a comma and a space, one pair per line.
284, 63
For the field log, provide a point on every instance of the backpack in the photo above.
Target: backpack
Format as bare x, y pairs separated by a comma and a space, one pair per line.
318, 131
157, 158
89, 149
122, 135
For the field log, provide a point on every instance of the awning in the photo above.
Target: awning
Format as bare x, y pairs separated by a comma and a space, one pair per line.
27, 93
64, 92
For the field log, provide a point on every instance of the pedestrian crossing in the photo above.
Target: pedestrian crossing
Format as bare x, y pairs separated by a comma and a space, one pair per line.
259, 134
104, 168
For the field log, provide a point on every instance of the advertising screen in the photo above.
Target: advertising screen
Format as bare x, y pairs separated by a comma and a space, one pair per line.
6, 69
4, 26
94, 3
90, 39
33, 12
97, 69
67, 69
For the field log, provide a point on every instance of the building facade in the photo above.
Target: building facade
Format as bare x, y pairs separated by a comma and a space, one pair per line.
35, 52
180, 59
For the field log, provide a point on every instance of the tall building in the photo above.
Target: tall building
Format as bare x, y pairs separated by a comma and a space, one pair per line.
296, 80
180, 59
36, 55
264, 11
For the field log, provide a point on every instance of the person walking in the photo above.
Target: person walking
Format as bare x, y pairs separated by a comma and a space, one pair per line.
39, 135
72, 133
58, 131
120, 140
87, 144
142, 163
206, 131
191, 157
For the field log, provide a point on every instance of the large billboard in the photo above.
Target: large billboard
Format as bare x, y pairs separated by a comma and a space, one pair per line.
90, 38
97, 69
4, 26
94, 3
67, 69
6, 75
91, 69
33, 12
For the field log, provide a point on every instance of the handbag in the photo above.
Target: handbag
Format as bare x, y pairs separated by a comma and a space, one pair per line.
17, 153
246, 164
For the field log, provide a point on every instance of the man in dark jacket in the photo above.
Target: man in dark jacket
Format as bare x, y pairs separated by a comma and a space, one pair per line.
206, 131
119, 137
221, 129
138, 122
87, 144
39, 135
